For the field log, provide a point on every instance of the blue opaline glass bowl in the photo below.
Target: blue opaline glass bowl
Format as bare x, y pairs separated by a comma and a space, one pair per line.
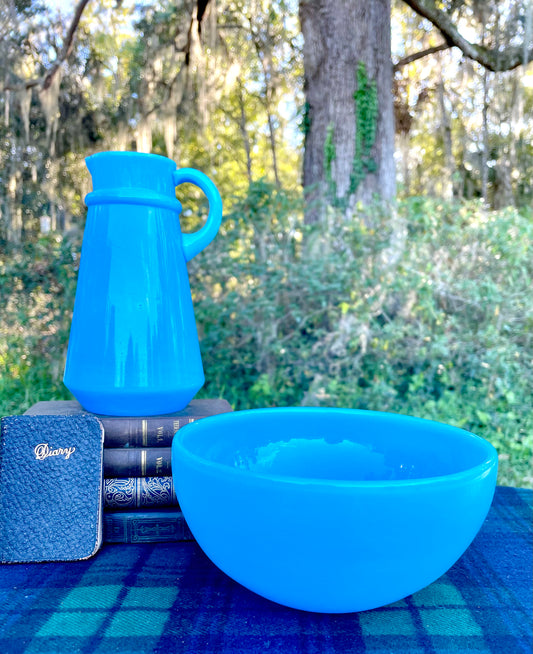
332, 510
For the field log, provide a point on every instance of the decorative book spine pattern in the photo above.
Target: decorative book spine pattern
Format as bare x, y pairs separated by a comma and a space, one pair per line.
137, 462
145, 527
136, 492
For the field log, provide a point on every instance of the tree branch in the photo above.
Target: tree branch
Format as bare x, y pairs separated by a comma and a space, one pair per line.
67, 45
492, 59
45, 81
419, 55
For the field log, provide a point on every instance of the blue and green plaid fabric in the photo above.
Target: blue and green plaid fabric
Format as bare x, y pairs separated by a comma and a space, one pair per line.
168, 597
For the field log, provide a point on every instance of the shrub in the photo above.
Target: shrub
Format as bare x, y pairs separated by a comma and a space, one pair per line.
290, 314
296, 315
37, 287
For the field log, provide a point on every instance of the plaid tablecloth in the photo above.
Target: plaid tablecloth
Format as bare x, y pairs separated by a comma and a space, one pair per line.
169, 597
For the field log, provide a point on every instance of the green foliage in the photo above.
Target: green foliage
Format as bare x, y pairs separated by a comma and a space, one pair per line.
366, 115
305, 122
329, 158
289, 315
475, 104
37, 284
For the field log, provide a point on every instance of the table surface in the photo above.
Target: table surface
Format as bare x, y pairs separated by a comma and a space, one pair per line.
168, 597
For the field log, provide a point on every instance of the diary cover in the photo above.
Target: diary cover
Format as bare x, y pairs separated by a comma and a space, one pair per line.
50, 488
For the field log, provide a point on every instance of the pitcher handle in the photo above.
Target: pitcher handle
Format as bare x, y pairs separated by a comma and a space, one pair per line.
194, 243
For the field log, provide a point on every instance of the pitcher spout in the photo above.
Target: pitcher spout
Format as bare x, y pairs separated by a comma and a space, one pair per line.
117, 169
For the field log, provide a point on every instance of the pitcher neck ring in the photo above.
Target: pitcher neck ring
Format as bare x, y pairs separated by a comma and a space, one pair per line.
126, 195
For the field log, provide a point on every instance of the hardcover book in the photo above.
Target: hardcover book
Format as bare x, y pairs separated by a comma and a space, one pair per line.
50, 488
137, 461
137, 492
145, 526
149, 431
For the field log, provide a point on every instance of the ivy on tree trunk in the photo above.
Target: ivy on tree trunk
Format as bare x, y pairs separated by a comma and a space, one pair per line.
349, 141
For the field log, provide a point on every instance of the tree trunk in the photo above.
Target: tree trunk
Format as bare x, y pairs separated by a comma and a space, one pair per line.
404, 150
244, 134
485, 138
349, 144
272, 137
446, 130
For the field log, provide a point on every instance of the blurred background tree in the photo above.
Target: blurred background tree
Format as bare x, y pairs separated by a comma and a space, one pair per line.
202, 81
422, 306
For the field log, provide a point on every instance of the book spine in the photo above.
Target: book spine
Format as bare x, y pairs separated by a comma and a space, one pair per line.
137, 492
145, 527
137, 462
142, 432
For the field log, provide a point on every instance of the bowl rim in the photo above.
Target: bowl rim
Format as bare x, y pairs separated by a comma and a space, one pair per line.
481, 469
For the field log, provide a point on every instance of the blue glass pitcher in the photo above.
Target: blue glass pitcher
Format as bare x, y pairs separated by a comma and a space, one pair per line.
133, 347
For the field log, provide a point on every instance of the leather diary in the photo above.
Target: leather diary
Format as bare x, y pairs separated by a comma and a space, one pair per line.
50, 488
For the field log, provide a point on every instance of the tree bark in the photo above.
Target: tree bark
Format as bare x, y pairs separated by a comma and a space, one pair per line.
339, 37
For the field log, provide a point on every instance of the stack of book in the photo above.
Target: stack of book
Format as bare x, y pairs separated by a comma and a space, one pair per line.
140, 504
